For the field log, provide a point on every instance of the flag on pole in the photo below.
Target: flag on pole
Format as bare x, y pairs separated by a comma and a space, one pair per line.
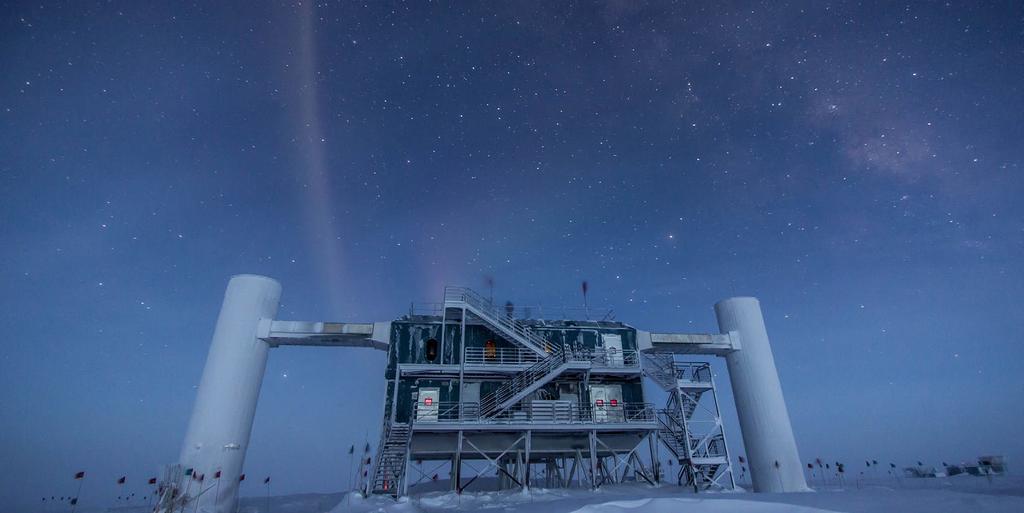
216, 475
241, 478
267, 480
80, 475
351, 449
152, 480
74, 501
188, 471
121, 480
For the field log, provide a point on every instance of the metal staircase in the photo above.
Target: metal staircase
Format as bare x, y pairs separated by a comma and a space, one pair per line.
506, 325
660, 368
691, 429
528, 381
554, 359
392, 459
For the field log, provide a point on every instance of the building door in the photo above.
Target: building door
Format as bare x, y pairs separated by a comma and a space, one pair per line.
613, 349
606, 401
426, 404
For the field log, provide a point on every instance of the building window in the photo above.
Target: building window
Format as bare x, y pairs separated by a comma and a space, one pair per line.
430, 350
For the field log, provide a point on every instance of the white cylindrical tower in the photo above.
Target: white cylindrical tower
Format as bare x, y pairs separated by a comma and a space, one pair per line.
767, 433
218, 433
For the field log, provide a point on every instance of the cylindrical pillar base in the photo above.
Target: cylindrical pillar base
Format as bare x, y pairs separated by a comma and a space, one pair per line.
218, 433
767, 433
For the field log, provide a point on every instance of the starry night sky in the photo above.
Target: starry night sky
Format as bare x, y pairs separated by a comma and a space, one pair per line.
857, 167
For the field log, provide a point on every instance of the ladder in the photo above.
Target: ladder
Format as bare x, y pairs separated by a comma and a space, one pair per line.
392, 458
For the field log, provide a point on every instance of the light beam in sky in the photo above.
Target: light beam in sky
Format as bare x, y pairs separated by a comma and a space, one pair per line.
324, 231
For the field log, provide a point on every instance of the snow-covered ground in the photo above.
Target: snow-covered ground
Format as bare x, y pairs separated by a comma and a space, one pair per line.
939, 495
958, 494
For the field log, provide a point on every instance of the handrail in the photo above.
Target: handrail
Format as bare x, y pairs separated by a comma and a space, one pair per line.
695, 372
530, 312
501, 356
626, 358
535, 412
502, 319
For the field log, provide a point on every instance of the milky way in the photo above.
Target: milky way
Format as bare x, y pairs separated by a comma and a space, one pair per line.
857, 167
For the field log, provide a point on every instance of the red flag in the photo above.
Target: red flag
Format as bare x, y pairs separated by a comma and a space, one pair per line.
80, 475
216, 475
152, 480
241, 478
121, 481
267, 480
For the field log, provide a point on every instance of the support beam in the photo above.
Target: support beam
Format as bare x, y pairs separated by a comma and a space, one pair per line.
526, 475
716, 344
332, 334
457, 465
652, 441
593, 459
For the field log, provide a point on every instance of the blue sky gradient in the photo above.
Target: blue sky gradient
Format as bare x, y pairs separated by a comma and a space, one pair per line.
856, 167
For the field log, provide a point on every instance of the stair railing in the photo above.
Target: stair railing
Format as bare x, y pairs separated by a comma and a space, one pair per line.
495, 315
